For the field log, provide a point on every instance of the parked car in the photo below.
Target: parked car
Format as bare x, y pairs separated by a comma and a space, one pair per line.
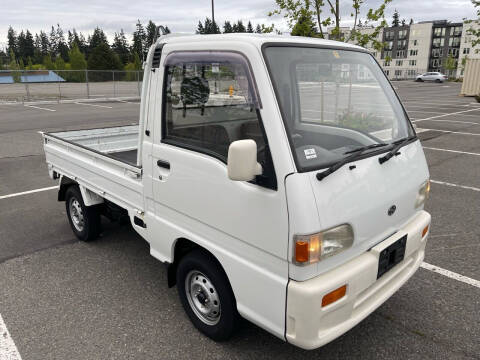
432, 76
278, 178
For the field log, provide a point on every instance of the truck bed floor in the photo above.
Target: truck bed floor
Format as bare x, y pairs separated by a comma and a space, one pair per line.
129, 156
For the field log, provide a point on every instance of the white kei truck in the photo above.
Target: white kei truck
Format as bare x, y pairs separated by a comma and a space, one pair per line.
279, 178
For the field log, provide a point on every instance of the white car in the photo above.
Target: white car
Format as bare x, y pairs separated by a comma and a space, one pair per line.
278, 178
432, 76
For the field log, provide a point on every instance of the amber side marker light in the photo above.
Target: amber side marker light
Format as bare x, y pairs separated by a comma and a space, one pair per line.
301, 251
335, 295
424, 232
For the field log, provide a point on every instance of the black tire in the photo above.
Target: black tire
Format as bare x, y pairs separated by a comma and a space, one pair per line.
199, 261
90, 228
438, 81
419, 80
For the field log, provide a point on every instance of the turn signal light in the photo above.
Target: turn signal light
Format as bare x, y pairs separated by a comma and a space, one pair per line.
424, 232
335, 295
301, 251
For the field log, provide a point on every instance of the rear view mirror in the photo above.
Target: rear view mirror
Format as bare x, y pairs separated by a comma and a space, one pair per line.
242, 160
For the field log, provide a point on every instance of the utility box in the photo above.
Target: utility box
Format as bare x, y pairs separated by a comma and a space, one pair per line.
471, 79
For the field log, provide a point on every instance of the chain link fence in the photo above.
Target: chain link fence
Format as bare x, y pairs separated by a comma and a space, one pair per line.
60, 85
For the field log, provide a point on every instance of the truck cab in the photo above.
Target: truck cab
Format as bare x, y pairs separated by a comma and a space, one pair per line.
279, 178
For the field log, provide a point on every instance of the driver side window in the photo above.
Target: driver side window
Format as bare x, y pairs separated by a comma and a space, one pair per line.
209, 102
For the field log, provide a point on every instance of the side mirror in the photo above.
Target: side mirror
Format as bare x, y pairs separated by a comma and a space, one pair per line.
242, 160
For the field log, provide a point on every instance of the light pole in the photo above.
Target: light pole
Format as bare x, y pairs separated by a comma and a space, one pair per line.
213, 16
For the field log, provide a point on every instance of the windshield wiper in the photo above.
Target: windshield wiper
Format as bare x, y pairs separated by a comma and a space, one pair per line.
394, 152
354, 155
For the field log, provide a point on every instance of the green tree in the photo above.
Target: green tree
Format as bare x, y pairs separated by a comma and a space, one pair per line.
297, 10
151, 31
227, 27
305, 26
103, 58
139, 39
258, 29
450, 65
59, 63
249, 27
239, 27
48, 63
30, 64
396, 19
13, 67
12, 41
78, 63
473, 30
120, 46
98, 37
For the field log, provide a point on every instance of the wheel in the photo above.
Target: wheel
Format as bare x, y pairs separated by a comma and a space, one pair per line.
84, 220
438, 81
206, 295
419, 80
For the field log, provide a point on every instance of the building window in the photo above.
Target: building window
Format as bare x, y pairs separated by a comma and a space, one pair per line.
454, 52
439, 32
387, 54
401, 44
402, 34
454, 41
389, 45
398, 72
401, 53
413, 52
387, 72
399, 63
457, 31
438, 42
415, 42
412, 63
386, 63
389, 35
466, 51
411, 72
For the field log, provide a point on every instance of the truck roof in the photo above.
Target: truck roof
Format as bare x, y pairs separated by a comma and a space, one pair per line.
255, 39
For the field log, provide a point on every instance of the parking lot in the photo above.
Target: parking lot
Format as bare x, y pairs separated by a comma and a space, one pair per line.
60, 298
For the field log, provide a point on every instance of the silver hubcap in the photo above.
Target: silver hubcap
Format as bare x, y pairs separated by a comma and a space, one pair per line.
76, 214
203, 297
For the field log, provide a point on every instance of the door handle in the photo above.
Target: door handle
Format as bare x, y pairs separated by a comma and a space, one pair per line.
163, 164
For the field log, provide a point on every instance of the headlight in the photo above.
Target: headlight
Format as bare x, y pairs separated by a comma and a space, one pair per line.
423, 194
318, 246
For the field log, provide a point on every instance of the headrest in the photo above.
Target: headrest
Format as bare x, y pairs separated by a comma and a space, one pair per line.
194, 91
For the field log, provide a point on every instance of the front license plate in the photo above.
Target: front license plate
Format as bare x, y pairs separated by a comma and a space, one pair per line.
391, 256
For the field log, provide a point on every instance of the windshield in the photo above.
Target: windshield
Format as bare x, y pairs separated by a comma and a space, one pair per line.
333, 101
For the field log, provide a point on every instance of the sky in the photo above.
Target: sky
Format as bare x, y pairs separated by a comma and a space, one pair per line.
183, 15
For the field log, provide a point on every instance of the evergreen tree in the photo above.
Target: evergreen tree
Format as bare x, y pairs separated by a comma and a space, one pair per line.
48, 63
227, 27
305, 26
21, 45
29, 45
12, 42
200, 28
59, 63
98, 37
62, 47
44, 43
151, 31
29, 64
53, 42
258, 29
249, 27
103, 58
77, 59
139, 38
404, 22
239, 27
411, 21
396, 19
120, 46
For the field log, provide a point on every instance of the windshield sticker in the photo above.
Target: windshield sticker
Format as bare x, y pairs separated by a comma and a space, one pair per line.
335, 53
310, 154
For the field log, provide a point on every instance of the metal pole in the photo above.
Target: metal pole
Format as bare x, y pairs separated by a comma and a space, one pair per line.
86, 82
213, 16
27, 88
113, 77
138, 83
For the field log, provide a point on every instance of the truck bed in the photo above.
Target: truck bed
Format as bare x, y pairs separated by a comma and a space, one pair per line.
103, 160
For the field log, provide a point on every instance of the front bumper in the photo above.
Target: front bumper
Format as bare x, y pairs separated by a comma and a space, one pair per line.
310, 326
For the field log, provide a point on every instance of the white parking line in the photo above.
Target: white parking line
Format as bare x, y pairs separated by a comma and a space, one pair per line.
8, 350
447, 131
102, 106
450, 274
453, 121
455, 185
452, 151
38, 107
454, 113
27, 192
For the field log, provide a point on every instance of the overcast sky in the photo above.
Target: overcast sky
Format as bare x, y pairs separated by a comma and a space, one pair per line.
183, 15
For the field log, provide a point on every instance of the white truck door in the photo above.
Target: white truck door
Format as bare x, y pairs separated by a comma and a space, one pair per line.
209, 101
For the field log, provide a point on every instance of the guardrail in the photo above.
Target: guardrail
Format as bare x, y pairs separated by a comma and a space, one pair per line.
59, 85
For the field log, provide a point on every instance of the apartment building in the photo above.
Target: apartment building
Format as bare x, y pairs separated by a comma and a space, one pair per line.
422, 47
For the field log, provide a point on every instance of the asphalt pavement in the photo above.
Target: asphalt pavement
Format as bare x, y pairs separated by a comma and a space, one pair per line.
60, 298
